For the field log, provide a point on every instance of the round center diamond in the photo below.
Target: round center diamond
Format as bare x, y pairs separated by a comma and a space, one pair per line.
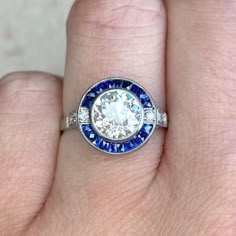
117, 114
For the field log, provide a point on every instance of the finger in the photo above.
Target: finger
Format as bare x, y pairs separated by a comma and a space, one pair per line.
116, 39
105, 39
200, 146
30, 111
202, 85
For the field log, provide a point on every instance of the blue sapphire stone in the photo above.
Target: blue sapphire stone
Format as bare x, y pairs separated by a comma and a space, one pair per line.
121, 83
92, 136
148, 128
89, 133
143, 134
130, 145
126, 84
137, 90
116, 83
138, 140
145, 131
92, 94
141, 137
97, 142
104, 145
116, 148
145, 99
87, 102
87, 129
104, 85
120, 147
113, 148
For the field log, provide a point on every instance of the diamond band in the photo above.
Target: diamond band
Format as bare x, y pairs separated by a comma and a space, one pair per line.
150, 115
116, 116
83, 115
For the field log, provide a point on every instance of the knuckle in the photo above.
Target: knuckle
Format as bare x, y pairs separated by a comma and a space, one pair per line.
21, 91
21, 80
12, 76
115, 15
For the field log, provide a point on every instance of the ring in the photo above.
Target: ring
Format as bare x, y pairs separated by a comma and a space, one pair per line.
116, 116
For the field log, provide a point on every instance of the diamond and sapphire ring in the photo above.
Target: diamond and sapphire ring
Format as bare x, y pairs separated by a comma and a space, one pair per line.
116, 116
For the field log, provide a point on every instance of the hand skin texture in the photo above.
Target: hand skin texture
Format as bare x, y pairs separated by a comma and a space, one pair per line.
183, 182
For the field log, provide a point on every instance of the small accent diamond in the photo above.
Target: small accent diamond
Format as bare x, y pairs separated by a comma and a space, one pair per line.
72, 119
83, 115
162, 118
149, 115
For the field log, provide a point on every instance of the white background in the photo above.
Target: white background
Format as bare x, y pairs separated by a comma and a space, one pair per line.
32, 35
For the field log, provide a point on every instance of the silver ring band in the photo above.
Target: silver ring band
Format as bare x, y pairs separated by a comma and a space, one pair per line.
73, 119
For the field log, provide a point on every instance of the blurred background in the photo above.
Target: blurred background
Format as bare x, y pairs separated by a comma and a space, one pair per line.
32, 35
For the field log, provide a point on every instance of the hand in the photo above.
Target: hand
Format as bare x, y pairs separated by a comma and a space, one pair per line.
183, 182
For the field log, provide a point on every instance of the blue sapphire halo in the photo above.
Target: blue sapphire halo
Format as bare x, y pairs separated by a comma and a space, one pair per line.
116, 116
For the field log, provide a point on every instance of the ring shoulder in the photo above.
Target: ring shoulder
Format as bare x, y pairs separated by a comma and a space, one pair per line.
81, 116
75, 118
70, 121
162, 120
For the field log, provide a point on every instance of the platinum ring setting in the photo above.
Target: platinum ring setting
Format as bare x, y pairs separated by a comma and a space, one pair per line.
116, 116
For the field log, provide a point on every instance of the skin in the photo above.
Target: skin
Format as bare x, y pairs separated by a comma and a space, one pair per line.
182, 182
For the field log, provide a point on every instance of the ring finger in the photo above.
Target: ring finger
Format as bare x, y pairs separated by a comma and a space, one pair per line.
105, 39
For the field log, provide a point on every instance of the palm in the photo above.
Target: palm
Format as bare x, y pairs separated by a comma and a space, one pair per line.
52, 185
